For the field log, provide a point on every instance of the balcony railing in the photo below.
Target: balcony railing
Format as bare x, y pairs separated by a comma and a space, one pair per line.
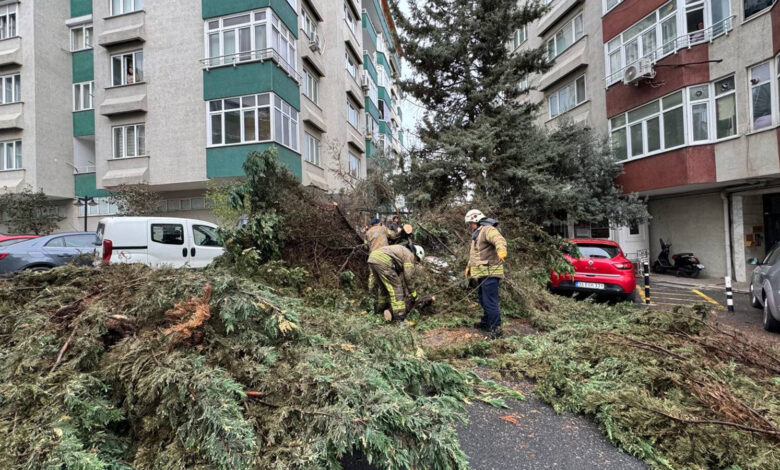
685, 41
260, 55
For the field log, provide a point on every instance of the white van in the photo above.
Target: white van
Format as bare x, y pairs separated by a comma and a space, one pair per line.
157, 241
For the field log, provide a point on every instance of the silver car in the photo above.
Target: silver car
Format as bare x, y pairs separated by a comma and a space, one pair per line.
47, 252
764, 285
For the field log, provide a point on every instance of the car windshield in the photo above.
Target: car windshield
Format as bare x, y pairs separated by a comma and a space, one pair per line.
593, 250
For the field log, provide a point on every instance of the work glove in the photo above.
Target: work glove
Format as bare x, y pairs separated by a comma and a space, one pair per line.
414, 295
501, 252
468, 272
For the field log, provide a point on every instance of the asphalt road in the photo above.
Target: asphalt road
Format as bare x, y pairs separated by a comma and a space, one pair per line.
531, 436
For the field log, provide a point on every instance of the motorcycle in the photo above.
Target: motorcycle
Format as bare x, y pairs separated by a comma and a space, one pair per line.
681, 264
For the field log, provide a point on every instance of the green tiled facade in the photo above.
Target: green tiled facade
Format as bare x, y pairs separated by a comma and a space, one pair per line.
227, 162
83, 66
84, 123
86, 186
246, 79
80, 8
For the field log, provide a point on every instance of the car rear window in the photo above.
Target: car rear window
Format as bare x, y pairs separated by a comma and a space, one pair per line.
80, 241
594, 250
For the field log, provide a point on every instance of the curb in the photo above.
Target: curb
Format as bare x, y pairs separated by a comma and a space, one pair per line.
736, 290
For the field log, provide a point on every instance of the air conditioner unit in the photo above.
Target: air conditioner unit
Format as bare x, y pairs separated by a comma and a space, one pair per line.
315, 44
364, 80
643, 68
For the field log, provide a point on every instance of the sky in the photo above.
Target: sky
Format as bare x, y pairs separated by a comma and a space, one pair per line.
412, 111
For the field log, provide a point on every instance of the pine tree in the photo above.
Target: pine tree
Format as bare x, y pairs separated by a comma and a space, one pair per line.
479, 136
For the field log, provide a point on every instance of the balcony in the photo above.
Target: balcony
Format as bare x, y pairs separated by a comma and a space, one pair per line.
356, 139
121, 171
351, 41
355, 91
311, 54
11, 51
312, 114
11, 181
11, 116
124, 99
315, 7
260, 55
123, 29
558, 11
570, 60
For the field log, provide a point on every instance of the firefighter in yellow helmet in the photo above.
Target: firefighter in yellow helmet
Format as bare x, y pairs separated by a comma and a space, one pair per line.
486, 268
394, 267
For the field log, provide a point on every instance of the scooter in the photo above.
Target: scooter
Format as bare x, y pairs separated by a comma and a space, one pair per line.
685, 264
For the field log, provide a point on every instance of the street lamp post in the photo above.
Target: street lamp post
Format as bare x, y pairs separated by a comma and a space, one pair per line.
86, 202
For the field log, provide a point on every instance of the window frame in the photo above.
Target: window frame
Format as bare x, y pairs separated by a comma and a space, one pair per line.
519, 37
138, 5
350, 18
773, 93
81, 86
577, 101
181, 226
606, 8
136, 139
16, 88
311, 149
137, 77
353, 158
311, 86
687, 105
763, 10
16, 154
352, 110
87, 35
10, 27
554, 36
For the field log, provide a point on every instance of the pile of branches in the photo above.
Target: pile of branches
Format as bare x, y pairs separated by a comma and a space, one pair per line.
128, 367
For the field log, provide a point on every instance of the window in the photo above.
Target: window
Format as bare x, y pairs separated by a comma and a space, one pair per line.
11, 154
240, 120
168, 234
697, 114
186, 204
129, 141
754, 6
11, 89
311, 149
657, 35
761, 96
352, 114
101, 206
519, 37
570, 33
82, 96
286, 124
372, 127
354, 166
121, 7
311, 86
610, 4
8, 21
350, 18
567, 97
79, 241
203, 235
255, 35
81, 37
351, 66
127, 69
308, 25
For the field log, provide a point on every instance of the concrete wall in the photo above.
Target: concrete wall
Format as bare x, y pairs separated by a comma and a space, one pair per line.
699, 231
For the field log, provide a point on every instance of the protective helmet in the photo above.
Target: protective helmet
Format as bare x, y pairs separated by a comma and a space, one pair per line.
474, 216
419, 251
374, 221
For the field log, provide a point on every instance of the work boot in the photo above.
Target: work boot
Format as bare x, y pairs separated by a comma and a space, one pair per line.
481, 326
495, 333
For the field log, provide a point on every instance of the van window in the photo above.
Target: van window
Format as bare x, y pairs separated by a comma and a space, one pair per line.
168, 234
99, 234
203, 235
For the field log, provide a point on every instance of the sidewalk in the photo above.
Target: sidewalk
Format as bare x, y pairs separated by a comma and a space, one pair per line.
699, 283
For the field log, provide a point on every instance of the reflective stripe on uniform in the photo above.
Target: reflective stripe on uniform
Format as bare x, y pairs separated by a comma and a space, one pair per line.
382, 258
398, 306
487, 271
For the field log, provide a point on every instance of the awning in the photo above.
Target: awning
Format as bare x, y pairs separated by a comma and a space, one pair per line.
11, 181
124, 104
11, 121
317, 181
119, 177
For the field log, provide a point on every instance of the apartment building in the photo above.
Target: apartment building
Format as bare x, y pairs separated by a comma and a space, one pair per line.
688, 92
95, 94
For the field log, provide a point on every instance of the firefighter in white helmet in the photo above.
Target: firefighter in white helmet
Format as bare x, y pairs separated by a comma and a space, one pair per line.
486, 268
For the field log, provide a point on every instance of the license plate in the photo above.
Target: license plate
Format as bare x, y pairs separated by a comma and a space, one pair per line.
700, 266
589, 285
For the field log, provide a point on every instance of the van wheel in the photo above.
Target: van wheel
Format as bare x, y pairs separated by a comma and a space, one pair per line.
770, 324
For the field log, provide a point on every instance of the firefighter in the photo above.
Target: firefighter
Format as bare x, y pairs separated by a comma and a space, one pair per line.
376, 235
486, 268
394, 267
394, 229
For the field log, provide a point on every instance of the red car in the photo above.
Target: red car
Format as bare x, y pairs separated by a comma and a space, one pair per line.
602, 269
8, 240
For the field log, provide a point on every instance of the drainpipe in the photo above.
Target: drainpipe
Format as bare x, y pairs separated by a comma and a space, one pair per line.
727, 230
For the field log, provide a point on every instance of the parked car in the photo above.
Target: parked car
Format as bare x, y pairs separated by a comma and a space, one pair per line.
764, 285
42, 253
157, 241
8, 240
602, 268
